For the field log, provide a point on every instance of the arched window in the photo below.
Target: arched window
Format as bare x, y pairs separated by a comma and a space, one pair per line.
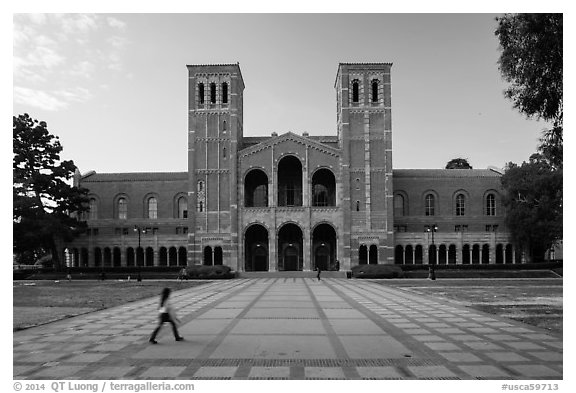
460, 204
224, 152
201, 93
355, 91
122, 209
224, 125
218, 255
224, 93
375, 90
212, 93
490, 205
363, 255
208, 256
152, 208
398, 205
323, 188
200, 206
182, 207
357, 206
429, 205
93, 209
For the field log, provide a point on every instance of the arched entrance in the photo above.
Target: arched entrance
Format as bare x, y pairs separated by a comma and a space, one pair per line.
256, 249
324, 247
290, 253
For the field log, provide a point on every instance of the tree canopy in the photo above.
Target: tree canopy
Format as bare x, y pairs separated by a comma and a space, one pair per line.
458, 163
46, 206
532, 62
533, 203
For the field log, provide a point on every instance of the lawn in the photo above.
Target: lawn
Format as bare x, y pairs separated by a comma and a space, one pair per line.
37, 302
537, 302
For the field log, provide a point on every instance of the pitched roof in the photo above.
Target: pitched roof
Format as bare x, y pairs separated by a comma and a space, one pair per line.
134, 176
446, 173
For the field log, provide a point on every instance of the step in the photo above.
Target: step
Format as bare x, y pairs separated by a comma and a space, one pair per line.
296, 274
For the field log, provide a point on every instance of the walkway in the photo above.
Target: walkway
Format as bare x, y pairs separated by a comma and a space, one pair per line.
290, 328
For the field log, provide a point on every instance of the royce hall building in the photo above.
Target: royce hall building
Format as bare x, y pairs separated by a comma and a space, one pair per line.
292, 202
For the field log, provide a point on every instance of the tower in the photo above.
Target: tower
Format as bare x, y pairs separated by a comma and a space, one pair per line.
365, 137
215, 125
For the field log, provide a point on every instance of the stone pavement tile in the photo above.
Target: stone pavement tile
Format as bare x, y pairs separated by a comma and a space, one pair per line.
131, 339
451, 331
535, 371
28, 347
505, 356
334, 304
106, 372
501, 337
269, 372
460, 357
387, 372
466, 337
537, 337
430, 337
482, 330
338, 313
87, 358
431, 372
324, 372
278, 313
397, 320
555, 344
466, 325
443, 346
232, 304
22, 370
112, 347
170, 349
279, 326
405, 325
156, 372
516, 329
215, 372
499, 324
357, 326
42, 357
484, 371
374, 347
57, 372
200, 326
274, 347
283, 304
547, 356
523, 345
416, 331
221, 313
483, 346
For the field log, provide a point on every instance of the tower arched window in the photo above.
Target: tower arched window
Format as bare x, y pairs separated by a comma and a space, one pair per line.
375, 90
429, 205
152, 207
200, 206
122, 205
224, 125
212, 93
201, 93
490, 205
182, 207
357, 206
93, 209
224, 152
224, 93
355, 91
460, 204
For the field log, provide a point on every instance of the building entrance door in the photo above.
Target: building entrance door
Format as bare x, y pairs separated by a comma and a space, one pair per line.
291, 258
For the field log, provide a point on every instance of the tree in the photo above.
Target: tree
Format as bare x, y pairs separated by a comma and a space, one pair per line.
458, 163
531, 61
46, 206
533, 202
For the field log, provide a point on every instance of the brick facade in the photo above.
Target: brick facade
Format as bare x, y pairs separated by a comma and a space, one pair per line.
291, 202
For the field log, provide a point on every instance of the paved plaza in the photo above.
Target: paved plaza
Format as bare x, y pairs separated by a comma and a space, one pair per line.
290, 328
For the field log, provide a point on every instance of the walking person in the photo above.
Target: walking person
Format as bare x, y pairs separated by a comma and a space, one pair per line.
166, 314
319, 271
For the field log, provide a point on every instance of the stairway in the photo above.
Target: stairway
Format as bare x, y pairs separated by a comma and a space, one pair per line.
291, 274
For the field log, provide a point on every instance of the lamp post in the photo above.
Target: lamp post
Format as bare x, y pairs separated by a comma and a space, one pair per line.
431, 272
139, 230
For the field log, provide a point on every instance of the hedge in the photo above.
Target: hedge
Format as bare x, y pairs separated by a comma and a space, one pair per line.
377, 271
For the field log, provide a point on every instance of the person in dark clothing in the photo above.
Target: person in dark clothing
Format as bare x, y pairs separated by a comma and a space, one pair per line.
319, 270
166, 314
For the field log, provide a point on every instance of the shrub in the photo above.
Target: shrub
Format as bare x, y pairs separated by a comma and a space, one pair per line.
209, 272
377, 271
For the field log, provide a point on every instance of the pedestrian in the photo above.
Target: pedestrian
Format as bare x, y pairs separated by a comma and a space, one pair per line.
319, 271
166, 314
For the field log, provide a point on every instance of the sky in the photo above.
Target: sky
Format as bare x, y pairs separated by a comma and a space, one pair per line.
113, 87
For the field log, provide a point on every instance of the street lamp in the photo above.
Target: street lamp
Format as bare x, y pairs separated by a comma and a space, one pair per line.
139, 230
431, 272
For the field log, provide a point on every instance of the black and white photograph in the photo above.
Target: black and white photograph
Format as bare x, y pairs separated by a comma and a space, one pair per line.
366, 200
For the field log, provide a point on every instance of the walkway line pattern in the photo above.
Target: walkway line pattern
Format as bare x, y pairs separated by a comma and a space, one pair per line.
290, 328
